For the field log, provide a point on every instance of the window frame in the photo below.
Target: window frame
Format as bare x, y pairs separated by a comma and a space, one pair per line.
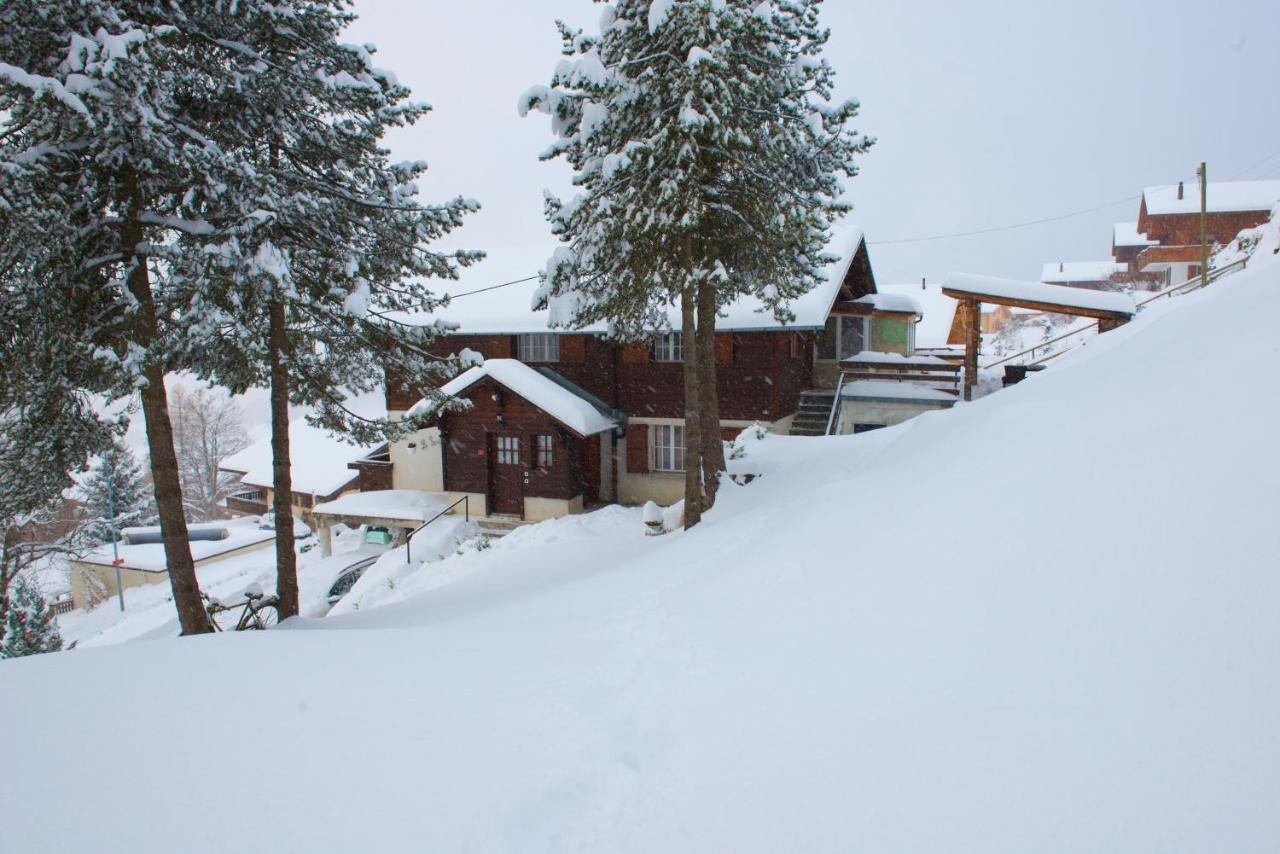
538, 347
667, 455
505, 452
544, 451
668, 347
839, 320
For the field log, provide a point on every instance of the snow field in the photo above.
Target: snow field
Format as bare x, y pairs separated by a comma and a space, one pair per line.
886, 642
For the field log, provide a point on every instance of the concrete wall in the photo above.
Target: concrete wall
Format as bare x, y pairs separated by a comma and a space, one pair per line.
884, 413
87, 579
423, 469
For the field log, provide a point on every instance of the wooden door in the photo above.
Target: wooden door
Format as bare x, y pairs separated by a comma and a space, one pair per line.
506, 474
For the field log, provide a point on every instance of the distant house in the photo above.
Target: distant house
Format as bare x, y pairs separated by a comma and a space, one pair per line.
1169, 218
562, 418
324, 468
1090, 275
1127, 243
143, 562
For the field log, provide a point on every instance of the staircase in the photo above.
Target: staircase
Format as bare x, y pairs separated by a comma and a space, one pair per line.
815, 410
495, 527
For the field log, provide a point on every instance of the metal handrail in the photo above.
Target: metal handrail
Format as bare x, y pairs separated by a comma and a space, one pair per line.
1193, 284
1032, 350
408, 543
832, 419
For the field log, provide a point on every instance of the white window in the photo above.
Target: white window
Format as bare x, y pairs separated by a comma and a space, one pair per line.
539, 348
668, 447
544, 451
669, 347
509, 450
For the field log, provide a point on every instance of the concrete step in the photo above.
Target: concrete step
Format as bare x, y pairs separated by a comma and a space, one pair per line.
499, 526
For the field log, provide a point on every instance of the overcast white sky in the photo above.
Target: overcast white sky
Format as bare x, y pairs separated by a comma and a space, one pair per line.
987, 113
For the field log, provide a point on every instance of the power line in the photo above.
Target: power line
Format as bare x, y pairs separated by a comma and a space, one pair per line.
493, 287
1254, 166
1005, 227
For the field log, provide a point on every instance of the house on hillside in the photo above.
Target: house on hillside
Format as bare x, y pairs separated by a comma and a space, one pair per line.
1169, 218
560, 419
1090, 275
324, 468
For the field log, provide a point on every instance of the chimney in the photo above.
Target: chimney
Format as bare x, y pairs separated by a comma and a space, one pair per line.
1061, 267
1179, 191
922, 285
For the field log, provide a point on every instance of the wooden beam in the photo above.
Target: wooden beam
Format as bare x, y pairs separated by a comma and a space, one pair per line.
972, 342
1050, 307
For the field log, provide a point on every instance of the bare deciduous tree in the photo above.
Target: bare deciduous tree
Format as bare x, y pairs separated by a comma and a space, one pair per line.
207, 428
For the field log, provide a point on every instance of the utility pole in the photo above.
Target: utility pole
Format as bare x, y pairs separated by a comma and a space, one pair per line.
115, 537
1203, 172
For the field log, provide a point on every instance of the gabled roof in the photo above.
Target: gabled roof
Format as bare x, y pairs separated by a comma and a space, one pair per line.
484, 302
1127, 234
556, 399
318, 460
1081, 271
1223, 197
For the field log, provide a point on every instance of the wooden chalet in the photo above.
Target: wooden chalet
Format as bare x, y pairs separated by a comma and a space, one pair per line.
560, 419
1169, 223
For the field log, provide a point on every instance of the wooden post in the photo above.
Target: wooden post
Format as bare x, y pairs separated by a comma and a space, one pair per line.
1203, 172
972, 343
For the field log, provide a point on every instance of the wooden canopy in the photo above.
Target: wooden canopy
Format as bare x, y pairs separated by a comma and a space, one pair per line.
1109, 309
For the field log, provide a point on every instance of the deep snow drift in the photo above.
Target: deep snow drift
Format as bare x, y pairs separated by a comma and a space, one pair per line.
1044, 621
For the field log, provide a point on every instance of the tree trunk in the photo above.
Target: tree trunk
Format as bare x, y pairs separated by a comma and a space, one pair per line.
692, 411
712, 446
282, 479
164, 459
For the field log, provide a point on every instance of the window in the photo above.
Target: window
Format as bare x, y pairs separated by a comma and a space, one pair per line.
668, 447
669, 347
843, 337
539, 348
509, 450
544, 452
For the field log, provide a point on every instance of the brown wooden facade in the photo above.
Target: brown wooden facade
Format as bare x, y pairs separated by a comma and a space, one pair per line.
492, 449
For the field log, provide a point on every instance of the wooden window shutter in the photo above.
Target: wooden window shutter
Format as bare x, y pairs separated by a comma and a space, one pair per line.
635, 353
638, 448
724, 348
573, 349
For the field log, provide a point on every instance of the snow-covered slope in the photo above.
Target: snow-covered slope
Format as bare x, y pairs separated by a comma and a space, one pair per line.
1044, 621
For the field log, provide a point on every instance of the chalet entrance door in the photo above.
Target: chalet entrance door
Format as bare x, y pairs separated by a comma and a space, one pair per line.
506, 474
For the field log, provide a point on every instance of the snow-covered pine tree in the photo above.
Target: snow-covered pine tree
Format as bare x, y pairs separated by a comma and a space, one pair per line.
709, 155
116, 493
101, 106
29, 624
329, 239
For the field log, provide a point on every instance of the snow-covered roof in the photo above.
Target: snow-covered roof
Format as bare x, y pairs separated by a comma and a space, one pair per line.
1041, 292
1223, 197
480, 307
319, 460
893, 390
1127, 234
892, 302
150, 557
412, 505
1081, 271
574, 412
937, 312
877, 357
